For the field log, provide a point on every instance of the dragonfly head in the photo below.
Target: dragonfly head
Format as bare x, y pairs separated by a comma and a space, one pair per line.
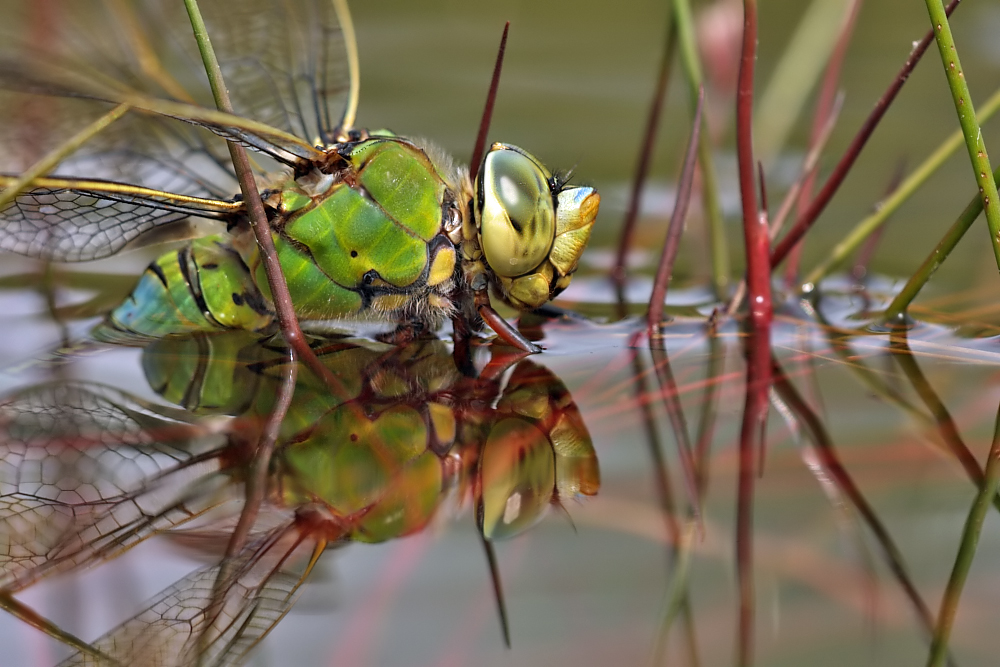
532, 227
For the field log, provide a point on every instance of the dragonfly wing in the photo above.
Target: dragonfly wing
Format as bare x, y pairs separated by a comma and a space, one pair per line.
285, 62
214, 616
74, 220
150, 62
87, 472
144, 149
282, 146
43, 79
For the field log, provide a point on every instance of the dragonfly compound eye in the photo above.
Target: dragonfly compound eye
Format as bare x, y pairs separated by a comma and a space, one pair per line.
517, 219
531, 235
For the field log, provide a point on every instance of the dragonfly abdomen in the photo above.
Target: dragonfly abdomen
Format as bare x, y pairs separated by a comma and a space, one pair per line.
372, 240
202, 286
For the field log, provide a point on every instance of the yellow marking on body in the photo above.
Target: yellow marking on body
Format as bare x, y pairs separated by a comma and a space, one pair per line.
389, 302
567, 249
442, 267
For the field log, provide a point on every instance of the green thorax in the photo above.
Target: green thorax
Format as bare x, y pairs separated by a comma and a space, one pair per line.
371, 235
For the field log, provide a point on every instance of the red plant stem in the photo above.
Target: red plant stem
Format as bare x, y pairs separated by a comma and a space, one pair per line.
764, 208
282, 299
661, 476
809, 216
714, 368
860, 269
491, 98
755, 234
260, 467
283, 305
670, 395
645, 157
824, 109
676, 227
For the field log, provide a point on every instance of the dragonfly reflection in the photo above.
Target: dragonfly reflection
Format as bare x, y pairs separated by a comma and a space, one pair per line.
89, 472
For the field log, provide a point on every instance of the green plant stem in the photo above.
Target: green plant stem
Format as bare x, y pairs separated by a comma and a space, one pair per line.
714, 368
49, 162
677, 599
967, 119
258, 218
907, 188
709, 180
896, 312
966, 553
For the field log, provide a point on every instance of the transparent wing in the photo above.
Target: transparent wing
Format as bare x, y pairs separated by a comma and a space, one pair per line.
73, 220
214, 616
87, 472
35, 78
285, 62
60, 68
143, 53
55, 57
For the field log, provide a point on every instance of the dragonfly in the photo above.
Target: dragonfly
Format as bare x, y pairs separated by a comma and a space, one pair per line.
367, 224
91, 471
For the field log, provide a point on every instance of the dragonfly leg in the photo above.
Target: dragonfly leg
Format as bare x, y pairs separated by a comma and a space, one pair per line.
505, 331
404, 334
462, 353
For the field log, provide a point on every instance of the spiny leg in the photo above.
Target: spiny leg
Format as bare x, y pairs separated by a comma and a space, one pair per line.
505, 331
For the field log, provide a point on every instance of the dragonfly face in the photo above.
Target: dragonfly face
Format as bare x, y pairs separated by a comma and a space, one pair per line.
532, 227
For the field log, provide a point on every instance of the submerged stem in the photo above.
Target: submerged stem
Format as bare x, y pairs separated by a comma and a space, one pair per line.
966, 552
